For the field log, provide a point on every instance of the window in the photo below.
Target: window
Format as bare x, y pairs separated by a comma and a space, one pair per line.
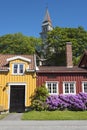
21, 68
84, 87
52, 87
69, 88
18, 68
15, 68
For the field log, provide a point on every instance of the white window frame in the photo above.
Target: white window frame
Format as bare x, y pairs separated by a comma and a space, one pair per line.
68, 82
52, 87
83, 86
18, 69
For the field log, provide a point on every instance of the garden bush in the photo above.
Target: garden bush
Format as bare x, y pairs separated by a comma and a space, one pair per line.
39, 105
38, 100
76, 102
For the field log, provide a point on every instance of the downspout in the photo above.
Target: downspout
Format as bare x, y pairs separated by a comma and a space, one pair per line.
36, 67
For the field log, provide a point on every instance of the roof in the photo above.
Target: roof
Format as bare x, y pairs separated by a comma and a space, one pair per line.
47, 17
63, 69
6, 58
83, 61
81, 68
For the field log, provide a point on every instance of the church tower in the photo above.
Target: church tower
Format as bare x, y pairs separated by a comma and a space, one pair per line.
46, 26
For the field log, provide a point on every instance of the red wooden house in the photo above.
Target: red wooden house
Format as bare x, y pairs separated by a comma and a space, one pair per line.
64, 79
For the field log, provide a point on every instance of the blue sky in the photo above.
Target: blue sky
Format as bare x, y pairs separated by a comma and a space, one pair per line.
26, 16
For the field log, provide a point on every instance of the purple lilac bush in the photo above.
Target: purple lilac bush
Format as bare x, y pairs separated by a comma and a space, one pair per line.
76, 102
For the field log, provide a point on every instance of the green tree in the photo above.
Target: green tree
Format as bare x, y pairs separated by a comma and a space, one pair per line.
57, 39
18, 44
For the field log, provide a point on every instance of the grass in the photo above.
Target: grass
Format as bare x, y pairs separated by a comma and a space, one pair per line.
2, 116
55, 115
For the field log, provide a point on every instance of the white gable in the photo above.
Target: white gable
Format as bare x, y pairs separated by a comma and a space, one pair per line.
19, 57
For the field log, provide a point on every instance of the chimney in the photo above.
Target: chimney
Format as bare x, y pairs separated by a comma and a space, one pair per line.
69, 62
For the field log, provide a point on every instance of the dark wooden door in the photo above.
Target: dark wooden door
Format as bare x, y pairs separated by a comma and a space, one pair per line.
17, 98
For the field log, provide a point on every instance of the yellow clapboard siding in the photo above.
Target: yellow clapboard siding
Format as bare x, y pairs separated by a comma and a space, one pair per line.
8, 77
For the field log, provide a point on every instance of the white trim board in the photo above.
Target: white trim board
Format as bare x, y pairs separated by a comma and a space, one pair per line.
19, 57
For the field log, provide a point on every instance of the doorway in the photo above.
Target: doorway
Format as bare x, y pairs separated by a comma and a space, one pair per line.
17, 98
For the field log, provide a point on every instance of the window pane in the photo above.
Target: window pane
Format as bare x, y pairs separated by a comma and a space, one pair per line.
49, 87
66, 88
54, 88
85, 87
71, 87
15, 68
21, 68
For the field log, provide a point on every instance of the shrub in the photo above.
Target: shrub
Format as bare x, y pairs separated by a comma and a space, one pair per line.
56, 103
39, 105
72, 102
38, 100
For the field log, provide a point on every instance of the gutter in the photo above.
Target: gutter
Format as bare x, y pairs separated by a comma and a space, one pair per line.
28, 70
62, 72
4, 70
36, 67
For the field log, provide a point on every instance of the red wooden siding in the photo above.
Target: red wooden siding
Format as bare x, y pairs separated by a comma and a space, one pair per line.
61, 77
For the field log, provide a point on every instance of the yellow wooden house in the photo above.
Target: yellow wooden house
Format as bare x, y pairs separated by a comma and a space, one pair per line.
17, 81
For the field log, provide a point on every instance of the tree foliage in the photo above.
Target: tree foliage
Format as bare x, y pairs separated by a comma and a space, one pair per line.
57, 39
18, 44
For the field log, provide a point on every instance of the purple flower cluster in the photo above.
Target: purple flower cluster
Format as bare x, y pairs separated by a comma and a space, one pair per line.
76, 102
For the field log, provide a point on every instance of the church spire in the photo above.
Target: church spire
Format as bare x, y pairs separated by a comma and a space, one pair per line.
47, 17
46, 26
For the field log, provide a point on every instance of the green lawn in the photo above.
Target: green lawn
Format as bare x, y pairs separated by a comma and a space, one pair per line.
55, 115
